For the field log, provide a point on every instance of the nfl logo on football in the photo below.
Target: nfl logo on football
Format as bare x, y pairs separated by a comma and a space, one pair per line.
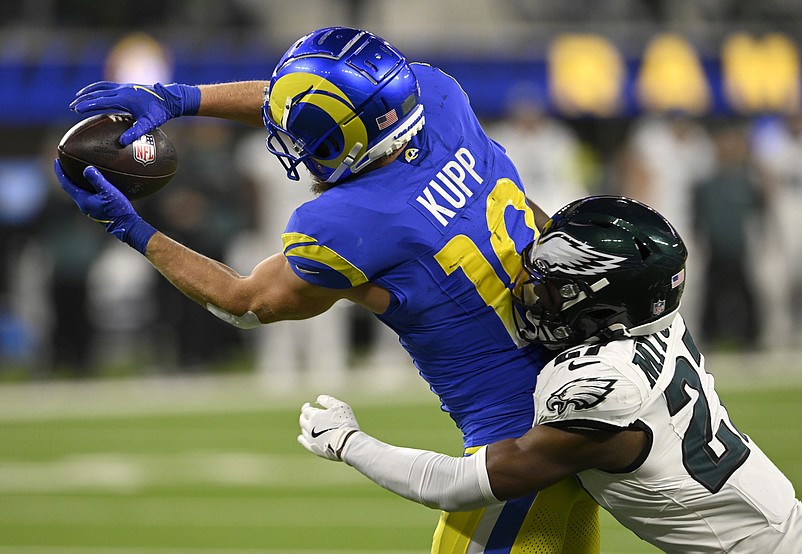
144, 149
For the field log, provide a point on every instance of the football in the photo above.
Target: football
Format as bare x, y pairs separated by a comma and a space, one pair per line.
138, 170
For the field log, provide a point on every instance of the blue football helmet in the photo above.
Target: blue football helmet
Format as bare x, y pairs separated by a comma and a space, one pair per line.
338, 100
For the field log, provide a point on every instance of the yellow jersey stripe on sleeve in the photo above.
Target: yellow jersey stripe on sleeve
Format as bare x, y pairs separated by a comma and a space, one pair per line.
291, 239
304, 246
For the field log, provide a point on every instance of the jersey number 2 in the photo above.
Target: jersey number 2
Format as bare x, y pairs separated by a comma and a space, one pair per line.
705, 465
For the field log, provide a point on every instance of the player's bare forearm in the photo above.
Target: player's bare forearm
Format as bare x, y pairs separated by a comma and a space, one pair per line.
546, 455
272, 292
516, 471
541, 217
239, 101
204, 280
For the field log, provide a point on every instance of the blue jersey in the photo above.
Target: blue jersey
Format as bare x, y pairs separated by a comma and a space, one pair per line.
441, 228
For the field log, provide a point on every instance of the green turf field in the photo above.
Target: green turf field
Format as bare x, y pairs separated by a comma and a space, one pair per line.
212, 466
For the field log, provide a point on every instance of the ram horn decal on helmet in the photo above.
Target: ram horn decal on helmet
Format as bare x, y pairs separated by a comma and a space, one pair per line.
340, 99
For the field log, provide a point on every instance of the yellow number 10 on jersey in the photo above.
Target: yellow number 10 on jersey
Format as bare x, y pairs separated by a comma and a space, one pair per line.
462, 252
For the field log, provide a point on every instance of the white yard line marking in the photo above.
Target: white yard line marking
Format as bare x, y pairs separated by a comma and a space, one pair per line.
128, 473
187, 394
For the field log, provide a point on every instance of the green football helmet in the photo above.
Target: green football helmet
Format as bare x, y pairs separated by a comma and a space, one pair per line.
603, 267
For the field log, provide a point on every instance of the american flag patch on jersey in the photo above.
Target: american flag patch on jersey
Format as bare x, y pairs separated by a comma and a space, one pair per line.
678, 279
384, 121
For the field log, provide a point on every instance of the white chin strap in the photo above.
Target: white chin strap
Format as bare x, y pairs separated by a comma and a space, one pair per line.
346, 163
653, 326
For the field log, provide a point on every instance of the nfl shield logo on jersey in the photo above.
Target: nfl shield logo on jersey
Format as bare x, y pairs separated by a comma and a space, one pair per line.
144, 149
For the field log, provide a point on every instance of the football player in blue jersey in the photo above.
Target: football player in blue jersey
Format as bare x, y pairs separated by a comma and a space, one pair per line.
420, 218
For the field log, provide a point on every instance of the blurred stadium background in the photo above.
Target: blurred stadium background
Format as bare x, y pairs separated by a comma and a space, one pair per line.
133, 421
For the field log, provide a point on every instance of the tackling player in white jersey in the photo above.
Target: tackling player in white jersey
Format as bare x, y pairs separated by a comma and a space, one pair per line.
626, 406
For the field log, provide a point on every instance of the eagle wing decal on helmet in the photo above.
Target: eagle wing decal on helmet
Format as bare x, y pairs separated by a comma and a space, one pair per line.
561, 252
583, 393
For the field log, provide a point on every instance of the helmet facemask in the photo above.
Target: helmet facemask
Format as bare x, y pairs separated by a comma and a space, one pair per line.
557, 311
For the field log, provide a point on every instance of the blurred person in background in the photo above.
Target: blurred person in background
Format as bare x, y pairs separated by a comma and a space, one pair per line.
207, 206
667, 154
72, 249
777, 143
121, 297
725, 207
545, 150
25, 317
284, 351
419, 218
138, 57
204, 206
670, 153
343, 336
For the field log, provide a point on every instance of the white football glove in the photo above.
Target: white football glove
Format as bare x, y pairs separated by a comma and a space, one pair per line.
324, 431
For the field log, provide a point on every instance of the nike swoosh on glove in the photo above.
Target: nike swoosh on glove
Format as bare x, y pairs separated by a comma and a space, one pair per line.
325, 431
150, 105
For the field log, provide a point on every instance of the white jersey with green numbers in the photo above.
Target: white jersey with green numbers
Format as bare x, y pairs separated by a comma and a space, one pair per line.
701, 485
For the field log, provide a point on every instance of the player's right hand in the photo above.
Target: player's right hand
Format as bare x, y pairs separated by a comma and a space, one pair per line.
151, 105
324, 431
109, 206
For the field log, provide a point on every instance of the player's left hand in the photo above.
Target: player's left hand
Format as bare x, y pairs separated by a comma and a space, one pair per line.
324, 431
109, 206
